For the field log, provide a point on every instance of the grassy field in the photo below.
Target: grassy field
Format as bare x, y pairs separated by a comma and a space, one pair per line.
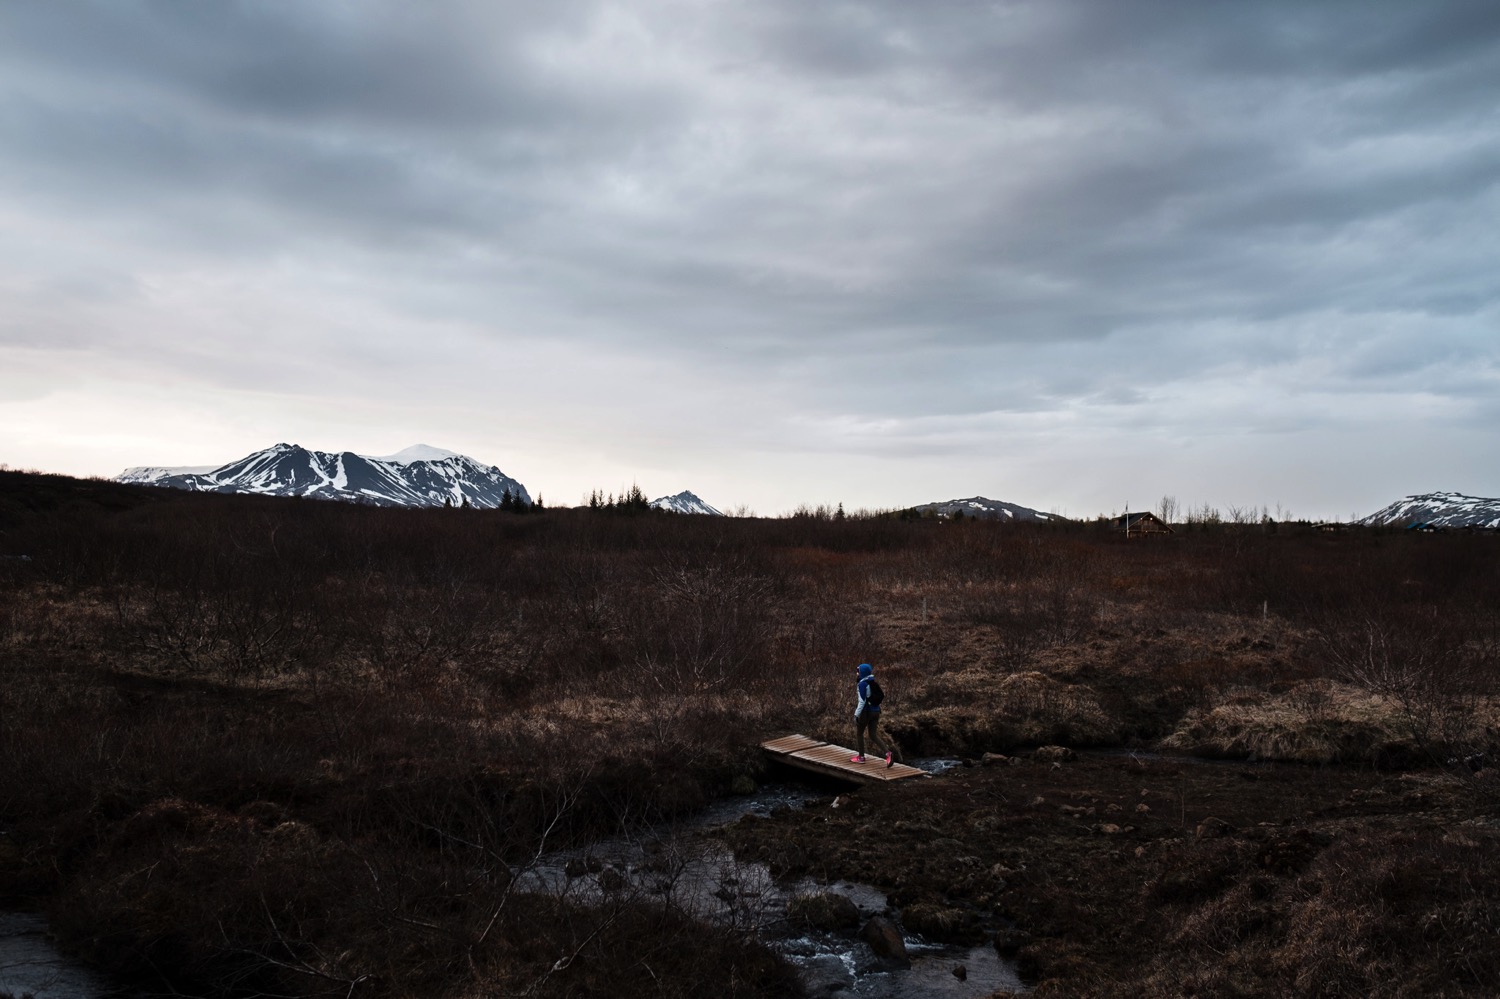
302, 748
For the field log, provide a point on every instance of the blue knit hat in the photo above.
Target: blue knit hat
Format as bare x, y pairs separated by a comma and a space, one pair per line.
865, 669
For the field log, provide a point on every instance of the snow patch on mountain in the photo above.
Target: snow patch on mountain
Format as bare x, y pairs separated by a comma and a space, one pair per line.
684, 502
417, 452
148, 474
1439, 510
419, 476
981, 506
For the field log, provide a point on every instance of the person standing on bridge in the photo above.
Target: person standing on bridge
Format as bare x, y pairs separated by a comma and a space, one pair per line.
867, 715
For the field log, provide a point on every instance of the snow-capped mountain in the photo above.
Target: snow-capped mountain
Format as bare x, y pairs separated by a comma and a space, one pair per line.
151, 474
684, 502
980, 506
1439, 510
419, 476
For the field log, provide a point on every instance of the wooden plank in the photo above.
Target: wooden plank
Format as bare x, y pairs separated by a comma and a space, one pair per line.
791, 743
831, 760
837, 758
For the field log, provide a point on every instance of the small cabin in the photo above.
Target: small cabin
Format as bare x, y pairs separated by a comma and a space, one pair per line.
1141, 525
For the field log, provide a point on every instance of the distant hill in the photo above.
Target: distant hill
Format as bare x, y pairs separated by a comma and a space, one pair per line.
418, 476
983, 507
684, 502
1439, 510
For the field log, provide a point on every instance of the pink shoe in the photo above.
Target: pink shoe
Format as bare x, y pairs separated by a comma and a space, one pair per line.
856, 758
887, 761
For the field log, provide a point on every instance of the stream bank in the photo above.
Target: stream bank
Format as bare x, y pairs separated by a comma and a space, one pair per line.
1103, 875
1093, 875
691, 865
687, 864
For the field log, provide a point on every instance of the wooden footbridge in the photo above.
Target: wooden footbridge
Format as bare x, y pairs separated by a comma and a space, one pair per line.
833, 761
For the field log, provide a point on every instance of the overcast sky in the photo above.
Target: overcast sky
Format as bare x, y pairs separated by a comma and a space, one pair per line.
1072, 255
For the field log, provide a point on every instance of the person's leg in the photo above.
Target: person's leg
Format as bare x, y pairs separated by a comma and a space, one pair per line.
880, 748
884, 746
860, 724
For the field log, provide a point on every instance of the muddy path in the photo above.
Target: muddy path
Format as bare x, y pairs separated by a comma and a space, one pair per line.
1166, 877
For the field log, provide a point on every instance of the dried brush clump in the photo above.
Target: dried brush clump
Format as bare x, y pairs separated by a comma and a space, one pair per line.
1394, 914
1318, 721
297, 748
996, 713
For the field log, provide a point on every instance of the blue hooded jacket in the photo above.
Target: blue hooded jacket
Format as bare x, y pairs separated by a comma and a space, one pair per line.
866, 672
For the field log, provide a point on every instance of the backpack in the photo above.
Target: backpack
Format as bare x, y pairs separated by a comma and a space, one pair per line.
873, 694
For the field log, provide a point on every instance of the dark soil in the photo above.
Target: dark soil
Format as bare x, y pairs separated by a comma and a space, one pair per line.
263, 746
1109, 876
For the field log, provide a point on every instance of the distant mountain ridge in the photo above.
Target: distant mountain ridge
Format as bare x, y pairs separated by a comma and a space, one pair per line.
983, 507
419, 476
1439, 510
684, 502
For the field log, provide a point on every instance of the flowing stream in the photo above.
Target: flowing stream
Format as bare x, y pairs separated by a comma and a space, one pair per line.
686, 866
683, 865
31, 966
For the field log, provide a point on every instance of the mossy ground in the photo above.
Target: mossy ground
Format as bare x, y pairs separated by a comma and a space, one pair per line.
292, 747
1095, 876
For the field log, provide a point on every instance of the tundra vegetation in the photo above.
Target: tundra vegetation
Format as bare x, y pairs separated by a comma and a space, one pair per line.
301, 748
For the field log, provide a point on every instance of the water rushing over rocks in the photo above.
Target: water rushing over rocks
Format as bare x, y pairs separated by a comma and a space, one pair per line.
684, 865
687, 866
31, 966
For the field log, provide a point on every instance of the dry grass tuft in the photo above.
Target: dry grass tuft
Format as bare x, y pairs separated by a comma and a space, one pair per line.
1315, 721
995, 712
324, 733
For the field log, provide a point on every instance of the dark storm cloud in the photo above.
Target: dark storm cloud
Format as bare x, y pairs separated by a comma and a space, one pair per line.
378, 117
419, 66
879, 210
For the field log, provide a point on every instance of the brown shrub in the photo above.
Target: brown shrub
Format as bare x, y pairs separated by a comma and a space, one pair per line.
1313, 722
212, 704
1396, 914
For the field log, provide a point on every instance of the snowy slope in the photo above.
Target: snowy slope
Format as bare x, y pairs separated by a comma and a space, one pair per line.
419, 476
1440, 510
148, 474
980, 506
684, 502
417, 452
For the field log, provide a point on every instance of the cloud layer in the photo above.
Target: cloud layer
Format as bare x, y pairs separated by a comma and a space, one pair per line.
1055, 252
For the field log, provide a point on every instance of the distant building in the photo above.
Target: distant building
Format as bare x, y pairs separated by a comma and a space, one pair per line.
1141, 525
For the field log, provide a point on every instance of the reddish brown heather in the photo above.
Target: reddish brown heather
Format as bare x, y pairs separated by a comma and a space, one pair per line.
301, 747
